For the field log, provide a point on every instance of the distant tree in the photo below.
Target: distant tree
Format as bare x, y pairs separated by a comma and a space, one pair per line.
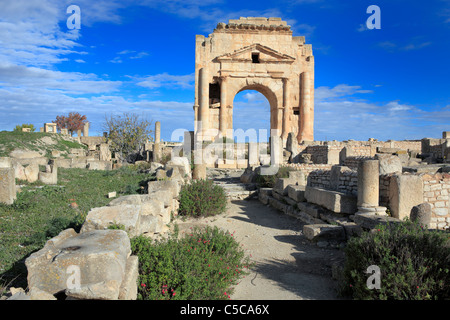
72, 123
19, 128
127, 134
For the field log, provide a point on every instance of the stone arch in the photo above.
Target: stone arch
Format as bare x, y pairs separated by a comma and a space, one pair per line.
259, 54
266, 88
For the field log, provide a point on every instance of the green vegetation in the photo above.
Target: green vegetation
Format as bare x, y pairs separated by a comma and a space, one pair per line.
41, 213
32, 141
19, 127
269, 181
414, 263
202, 265
202, 198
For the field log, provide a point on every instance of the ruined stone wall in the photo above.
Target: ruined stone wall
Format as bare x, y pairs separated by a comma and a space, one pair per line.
436, 189
385, 180
352, 162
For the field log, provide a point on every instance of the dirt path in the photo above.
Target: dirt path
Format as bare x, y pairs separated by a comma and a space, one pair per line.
286, 265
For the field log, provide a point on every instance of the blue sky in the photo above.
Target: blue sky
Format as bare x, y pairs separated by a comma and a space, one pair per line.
138, 56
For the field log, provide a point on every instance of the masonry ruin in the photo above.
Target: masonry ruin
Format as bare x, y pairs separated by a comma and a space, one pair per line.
254, 54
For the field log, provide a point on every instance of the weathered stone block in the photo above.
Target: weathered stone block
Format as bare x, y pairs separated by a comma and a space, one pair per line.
405, 192
103, 217
319, 232
332, 200
370, 221
32, 172
296, 193
7, 185
389, 163
99, 255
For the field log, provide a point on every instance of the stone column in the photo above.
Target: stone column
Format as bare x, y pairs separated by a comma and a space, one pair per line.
157, 132
86, 129
368, 183
306, 118
223, 106
204, 100
287, 108
368, 187
252, 154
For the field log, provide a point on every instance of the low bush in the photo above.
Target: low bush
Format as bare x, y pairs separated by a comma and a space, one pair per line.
202, 265
268, 181
202, 198
413, 261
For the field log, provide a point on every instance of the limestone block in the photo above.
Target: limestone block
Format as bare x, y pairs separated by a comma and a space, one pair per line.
319, 232
32, 172
7, 185
332, 200
128, 288
105, 153
162, 195
50, 176
405, 192
19, 171
370, 220
99, 255
5, 162
281, 185
132, 199
180, 161
296, 193
168, 185
64, 163
103, 217
389, 163
99, 165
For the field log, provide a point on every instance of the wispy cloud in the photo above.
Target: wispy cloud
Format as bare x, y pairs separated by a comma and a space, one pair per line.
415, 45
166, 80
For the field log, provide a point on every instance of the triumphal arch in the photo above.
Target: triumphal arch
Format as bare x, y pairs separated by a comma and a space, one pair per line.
254, 54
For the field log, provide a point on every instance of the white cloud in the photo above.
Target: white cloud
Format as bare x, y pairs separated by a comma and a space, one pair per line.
166, 80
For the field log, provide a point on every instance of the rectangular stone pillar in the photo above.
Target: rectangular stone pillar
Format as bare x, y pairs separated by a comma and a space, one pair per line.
204, 100
287, 109
223, 106
7, 185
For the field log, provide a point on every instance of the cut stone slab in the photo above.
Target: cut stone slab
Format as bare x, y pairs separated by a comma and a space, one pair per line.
169, 185
370, 221
99, 255
320, 232
332, 200
103, 217
296, 193
281, 185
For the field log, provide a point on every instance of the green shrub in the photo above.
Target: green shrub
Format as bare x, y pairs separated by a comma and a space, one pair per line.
202, 198
413, 262
268, 181
202, 265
